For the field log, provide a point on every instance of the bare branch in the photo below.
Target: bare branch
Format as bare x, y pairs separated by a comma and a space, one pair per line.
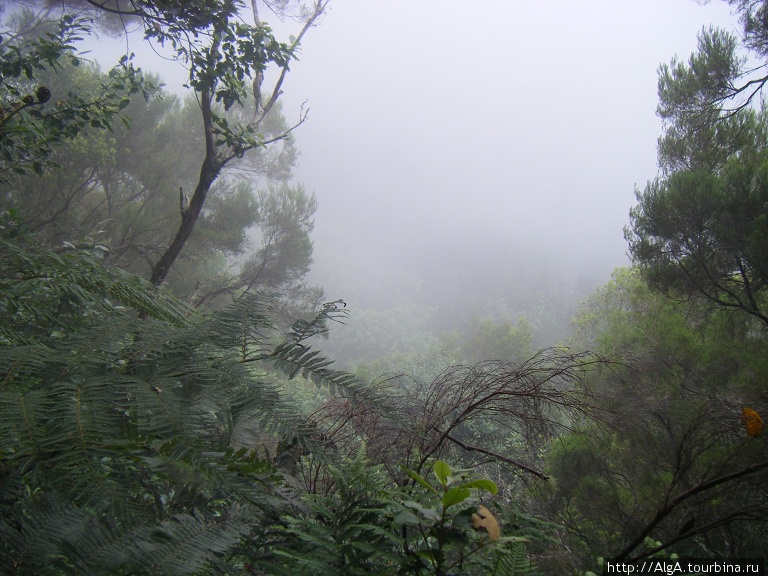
259, 115
429, 420
756, 85
666, 510
498, 456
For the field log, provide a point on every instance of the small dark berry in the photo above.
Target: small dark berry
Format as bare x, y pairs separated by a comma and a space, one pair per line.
43, 94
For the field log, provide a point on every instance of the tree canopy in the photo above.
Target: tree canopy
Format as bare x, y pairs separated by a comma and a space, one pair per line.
700, 228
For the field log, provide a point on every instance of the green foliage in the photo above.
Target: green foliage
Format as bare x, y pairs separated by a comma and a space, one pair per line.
753, 17
688, 93
121, 415
671, 445
701, 228
237, 51
457, 534
121, 189
293, 358
226, 59
488, 339
344, 532
704, 233
285, 223
55, 292
132, 426
223, 56
138, 434
626, 317
35, 118
363, 523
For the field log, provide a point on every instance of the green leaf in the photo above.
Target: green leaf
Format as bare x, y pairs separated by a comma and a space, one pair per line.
420, 479
456, 538
483, 484
442, 471
428, 554
406, 518
433, 515
455, 496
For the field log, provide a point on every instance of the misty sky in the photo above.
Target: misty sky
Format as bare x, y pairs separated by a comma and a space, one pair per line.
435, 124
448, 137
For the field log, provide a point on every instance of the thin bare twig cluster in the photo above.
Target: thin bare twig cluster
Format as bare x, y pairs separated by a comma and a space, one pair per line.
465, 409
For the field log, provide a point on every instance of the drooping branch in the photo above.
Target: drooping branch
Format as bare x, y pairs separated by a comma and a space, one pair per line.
432, 418
717, 290
703, 529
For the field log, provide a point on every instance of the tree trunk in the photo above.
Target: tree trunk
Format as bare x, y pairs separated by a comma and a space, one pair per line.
209, 171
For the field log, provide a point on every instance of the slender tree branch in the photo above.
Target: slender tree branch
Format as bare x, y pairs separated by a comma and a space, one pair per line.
282, 136
674, 503
319, 9
756, 84
498, 456
695, 532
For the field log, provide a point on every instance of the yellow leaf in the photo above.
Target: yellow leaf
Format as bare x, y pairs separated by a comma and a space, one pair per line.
752, 422
484, 519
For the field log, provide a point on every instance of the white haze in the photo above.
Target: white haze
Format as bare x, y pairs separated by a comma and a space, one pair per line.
462, 152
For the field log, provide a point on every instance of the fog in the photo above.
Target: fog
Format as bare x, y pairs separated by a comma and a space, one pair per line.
475, 158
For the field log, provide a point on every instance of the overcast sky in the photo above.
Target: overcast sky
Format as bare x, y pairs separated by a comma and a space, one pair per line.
447, 131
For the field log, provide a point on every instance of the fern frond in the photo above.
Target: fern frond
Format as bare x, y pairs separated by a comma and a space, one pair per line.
512, 560
36, 531
118, 410
331, 311
344, 532
70, 281
183, 544
295, 359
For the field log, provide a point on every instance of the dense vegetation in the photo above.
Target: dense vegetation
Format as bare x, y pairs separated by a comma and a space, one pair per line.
164, 408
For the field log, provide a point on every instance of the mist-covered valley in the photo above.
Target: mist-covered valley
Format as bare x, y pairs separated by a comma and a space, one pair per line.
471, 163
